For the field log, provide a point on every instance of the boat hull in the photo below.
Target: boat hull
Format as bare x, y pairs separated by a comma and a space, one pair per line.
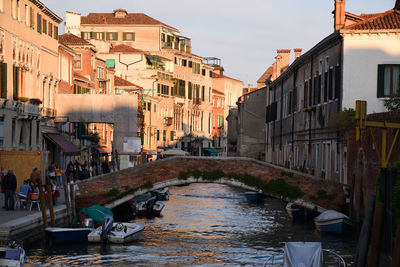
338, 226
61, 235
254, 196
133, 232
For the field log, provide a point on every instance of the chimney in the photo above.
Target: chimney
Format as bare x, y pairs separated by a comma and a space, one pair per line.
282, 61
219, 70
340, 10
297, 53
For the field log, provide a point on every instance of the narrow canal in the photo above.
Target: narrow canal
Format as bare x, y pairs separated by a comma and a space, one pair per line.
202, 225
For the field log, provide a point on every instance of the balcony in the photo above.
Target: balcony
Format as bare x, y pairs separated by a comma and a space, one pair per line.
48, 112
168, 121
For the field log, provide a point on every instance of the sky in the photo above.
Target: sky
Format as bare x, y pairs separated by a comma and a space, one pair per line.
244, 34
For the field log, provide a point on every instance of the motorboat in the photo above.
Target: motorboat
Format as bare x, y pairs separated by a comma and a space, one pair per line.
12, 253
253, 196
151, 207
119, 233
299, 213
305, 254
65, 234
333, 222
161, 194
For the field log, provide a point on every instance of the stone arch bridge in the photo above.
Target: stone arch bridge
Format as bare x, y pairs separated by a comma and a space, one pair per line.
115, 188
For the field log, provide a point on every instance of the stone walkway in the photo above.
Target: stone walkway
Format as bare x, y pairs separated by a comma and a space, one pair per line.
10, 215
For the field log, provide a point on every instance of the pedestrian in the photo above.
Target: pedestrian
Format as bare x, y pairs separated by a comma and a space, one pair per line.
10, 185
3, 174
59, 181
35, 174
52, 173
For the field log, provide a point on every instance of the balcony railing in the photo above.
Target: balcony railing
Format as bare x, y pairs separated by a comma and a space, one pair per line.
48, 112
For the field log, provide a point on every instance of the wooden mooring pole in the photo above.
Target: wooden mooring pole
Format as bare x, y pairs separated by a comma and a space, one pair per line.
43, 205
396, 251
365, 234
375, 246
51, 207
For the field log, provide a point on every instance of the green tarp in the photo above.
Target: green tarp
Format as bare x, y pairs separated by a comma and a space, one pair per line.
96, 212
212, 151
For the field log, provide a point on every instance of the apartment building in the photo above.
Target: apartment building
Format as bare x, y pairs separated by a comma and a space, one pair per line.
29, 80
176, 98
358, 61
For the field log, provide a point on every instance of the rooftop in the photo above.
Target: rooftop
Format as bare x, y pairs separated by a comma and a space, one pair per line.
124, 83
125, 49
70, 39
389, 20
128, 18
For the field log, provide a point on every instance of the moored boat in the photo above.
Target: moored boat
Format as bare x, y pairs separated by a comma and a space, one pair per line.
63, 235
299, 213
161, 194
333, 222
151, 207
253, 196
119, 233
305, 254
12, 254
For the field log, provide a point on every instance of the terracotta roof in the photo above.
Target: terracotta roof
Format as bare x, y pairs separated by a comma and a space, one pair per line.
218, 76
122, 82
81, 78
70, 39
389, 20
266, 75
125, 49
130, 18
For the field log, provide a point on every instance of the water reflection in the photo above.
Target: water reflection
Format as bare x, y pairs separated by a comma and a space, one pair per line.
202, 225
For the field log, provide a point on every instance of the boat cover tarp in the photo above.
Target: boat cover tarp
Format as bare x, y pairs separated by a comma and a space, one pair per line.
330, 215
96, 212
303, 254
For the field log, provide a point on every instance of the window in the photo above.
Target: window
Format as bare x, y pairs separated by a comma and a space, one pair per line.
196, 68
164, 135
112, 36
100, 73
203, 72
13, 9
210, 73
172, 135
184, 62
220, 121
3, 79
1, 131
78, 61
1, 5
15, 81
326, 87
99, 35
330, 86
155, 108
128, 36
86, 35
158, 135
148, 106
44, 26
39, 23
190, 90
190, 64
203, 88
50, 30
27, 13
388, 80
337, 81
32, 23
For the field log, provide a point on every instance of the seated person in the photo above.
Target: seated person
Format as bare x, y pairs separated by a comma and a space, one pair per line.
24, 189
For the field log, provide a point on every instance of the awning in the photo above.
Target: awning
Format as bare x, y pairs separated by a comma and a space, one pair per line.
104, 150
212, 150
149, 152
154, 60
163, 147
69, 148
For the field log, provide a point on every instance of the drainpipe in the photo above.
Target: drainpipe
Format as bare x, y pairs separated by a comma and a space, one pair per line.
127, 65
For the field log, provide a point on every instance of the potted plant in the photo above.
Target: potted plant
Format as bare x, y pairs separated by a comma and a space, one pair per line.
35, 101
23, 99
16, 97
4, 94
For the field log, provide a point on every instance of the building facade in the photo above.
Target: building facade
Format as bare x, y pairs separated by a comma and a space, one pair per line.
29, 81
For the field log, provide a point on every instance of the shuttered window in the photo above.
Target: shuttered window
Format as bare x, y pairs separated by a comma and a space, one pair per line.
330, 84
56, 32
128, 36
39, 23
32, 18
172, 135
388, 80
337, 82
190, 91
3, 78
326, 87
15, 81
112, 36
44, 26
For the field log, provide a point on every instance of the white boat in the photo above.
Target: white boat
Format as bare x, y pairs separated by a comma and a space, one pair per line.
308, 254
151, 207
119, 233
333, 221
12, 254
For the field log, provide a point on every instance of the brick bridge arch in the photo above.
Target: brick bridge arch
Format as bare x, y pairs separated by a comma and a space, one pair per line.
115, 188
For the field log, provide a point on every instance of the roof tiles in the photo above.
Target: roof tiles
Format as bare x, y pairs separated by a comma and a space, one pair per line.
389, 20
70, 39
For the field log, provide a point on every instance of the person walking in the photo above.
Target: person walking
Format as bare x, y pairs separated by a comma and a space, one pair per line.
3, 173
10, 185
59, 177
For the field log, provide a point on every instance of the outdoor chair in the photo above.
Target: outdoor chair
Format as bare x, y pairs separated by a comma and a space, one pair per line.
34, 201
20, 201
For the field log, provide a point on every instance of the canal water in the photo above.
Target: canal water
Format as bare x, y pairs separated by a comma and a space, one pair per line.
201, 225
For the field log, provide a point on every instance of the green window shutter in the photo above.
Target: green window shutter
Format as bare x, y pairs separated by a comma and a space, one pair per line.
172, 91
116, 36
110, 63
190, 91
15, 81
124, 36
39, 23
3, 78
164, 135
172, 135
158, 88
56, 32
108, 36
381, 80
158, 135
